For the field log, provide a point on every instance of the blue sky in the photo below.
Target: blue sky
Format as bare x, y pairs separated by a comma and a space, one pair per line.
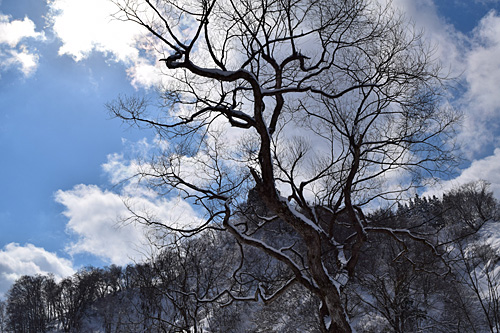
61, 153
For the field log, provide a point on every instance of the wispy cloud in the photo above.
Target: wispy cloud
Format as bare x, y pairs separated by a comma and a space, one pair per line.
481, 101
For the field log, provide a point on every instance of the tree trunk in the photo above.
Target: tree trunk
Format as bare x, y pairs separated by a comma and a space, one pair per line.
339, 322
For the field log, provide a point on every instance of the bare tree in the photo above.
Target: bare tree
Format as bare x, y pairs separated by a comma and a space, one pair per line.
26, 305
321, 107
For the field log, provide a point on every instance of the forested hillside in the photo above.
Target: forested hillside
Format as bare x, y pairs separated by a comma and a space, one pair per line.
433, 266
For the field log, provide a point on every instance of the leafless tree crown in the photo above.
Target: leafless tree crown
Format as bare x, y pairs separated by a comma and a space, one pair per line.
316, 108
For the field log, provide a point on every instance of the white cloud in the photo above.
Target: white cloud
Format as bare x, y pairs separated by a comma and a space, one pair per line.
93, 217
487, 169
119, 169
87, 26
14, 53
98, 217
12, 32
17, 260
